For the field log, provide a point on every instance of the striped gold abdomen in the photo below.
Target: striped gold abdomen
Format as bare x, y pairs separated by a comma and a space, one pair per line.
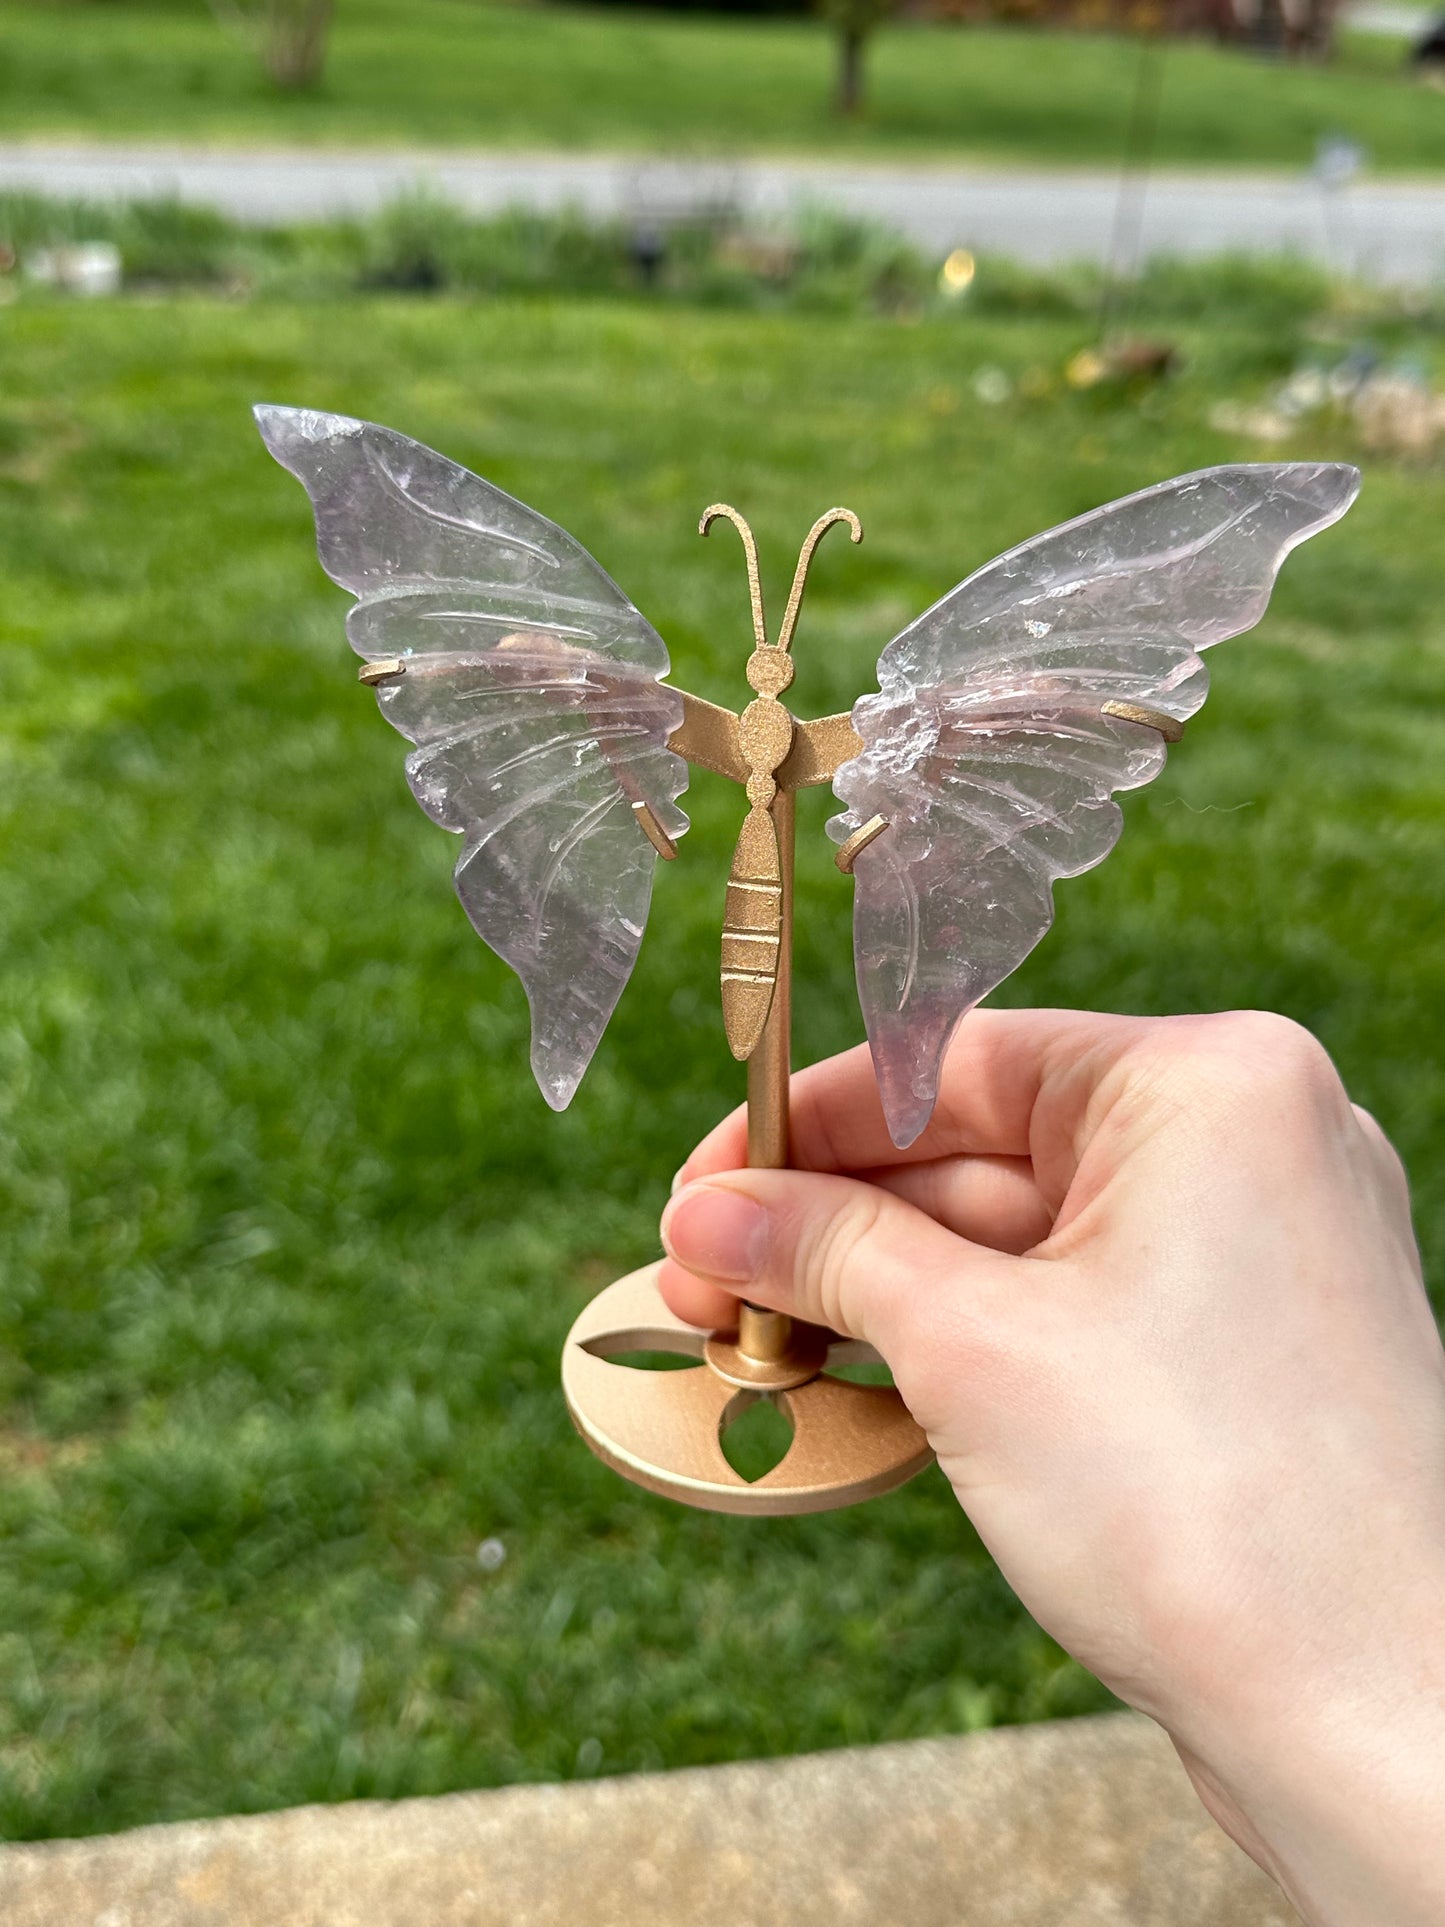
752, 933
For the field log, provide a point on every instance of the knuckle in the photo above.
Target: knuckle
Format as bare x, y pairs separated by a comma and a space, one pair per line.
1388, 1159
1264, 1040
1258, 1054
828, 1255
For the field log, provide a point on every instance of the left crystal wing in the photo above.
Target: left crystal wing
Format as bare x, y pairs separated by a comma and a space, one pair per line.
529, 686
1002, 730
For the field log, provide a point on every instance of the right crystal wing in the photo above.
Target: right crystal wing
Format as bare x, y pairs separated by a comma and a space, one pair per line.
529, 685
1012, 710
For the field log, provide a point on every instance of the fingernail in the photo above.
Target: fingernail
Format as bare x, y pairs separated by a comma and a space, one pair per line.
715, 1230
676, 1185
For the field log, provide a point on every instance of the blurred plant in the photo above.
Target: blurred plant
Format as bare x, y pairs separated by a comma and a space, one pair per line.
289, 36
1302, 27
413, 244
163, 242
1292, 289
853, 22
1006, 287
1393, 408
843, 263
1397, 412
422, 244
1129, 364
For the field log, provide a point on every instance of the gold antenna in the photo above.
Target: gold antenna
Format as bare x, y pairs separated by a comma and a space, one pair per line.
750, 550
805, 557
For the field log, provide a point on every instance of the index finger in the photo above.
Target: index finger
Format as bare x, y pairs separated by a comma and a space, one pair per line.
996, 1067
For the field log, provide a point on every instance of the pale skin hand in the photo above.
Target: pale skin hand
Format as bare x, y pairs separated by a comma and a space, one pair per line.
1151, 1289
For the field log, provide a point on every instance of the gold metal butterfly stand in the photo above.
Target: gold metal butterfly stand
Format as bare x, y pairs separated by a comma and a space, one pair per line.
664, 1429
1007, 717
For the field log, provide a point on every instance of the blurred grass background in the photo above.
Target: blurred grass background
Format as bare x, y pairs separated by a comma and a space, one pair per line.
290, 1242
478, 73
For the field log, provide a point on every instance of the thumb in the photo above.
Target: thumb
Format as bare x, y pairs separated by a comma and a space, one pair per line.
831, 1250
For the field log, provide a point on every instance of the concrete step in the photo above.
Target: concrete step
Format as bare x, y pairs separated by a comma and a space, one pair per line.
1082, 1823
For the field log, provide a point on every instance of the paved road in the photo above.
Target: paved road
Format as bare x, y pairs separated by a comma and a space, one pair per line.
1388, 232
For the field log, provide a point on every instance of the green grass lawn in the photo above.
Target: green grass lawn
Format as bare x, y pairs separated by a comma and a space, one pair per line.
290, 1240
488, 75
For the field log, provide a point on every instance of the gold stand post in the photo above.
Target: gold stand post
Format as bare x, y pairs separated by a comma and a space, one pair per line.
767, 1335
771, 1063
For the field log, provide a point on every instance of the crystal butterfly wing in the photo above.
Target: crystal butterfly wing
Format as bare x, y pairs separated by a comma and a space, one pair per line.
529, 687
991, 753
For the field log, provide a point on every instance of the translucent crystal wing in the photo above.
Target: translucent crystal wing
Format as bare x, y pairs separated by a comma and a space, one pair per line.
530, 688
991, 750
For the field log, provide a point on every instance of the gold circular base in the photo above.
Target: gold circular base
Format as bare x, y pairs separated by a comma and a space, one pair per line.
663, 1429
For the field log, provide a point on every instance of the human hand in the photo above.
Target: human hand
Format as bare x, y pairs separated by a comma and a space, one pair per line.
1150, 1287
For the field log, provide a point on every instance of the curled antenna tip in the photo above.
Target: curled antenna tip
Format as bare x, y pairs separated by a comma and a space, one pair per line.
805, 557
750, 550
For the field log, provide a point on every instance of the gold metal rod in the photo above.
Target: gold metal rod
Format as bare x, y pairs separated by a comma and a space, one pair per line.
766, 1334
771, 1061
764, 1337
1169, 727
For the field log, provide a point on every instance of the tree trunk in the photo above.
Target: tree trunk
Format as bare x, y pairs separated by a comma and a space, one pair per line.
293, 49
851, 41
1317, 37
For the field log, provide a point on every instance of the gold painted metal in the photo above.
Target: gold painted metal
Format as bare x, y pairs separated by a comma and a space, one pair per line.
708, 738
770, 1065
663, 1429
750, 551
383, 669
852, 847
802, 1354
752, 937
752, 925
653, 830
764, 1337
820, 749
752, 922
805, 556
1169, 727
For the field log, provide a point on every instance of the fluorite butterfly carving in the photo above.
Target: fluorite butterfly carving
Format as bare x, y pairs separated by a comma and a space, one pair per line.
532, 694
1009, 713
